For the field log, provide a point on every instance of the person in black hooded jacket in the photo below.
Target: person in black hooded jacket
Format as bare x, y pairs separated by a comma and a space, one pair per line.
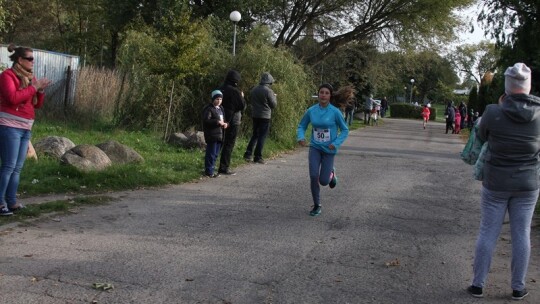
234, 104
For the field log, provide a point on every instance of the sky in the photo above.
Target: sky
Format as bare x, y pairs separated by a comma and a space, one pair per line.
470, 15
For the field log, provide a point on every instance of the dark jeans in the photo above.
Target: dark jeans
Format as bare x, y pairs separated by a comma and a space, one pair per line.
260, 131
349, 116
228, 145
212, 152
367, 116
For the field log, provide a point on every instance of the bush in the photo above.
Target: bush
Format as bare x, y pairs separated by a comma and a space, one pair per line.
292, 83
407, 110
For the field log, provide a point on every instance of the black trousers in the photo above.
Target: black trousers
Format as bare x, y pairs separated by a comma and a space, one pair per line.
260, 131
449, 125
229, 141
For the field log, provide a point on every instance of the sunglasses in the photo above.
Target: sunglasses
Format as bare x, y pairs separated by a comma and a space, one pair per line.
28, 58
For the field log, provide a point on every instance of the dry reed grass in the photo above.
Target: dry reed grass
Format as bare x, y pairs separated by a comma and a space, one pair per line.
97, 91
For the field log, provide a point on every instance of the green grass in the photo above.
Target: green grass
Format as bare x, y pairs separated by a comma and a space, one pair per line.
164, 164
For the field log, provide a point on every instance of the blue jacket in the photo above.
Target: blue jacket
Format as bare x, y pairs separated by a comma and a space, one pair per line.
324, 122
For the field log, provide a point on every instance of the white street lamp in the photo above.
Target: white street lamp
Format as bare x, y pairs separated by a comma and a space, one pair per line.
235, 17
412, 83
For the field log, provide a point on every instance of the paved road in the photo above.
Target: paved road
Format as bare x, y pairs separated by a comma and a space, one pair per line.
400, 227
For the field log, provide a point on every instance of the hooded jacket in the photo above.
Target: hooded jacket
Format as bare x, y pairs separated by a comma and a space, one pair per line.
233, 102
262, 98
512, 130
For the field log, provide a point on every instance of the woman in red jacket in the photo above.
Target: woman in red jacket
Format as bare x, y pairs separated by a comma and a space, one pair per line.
20, 94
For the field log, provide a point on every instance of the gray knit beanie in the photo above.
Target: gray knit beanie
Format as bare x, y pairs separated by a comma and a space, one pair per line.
517, 79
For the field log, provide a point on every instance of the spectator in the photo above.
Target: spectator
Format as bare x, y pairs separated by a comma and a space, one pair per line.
234, 105
450, 115
213, 126
20, 94
368, 107
384, 106
510, 178
263, 100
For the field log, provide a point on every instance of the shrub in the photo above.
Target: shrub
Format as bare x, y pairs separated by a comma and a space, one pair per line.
407, 110
292, 83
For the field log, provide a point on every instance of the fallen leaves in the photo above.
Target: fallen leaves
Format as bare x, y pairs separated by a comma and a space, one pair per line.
103, 286
392, 263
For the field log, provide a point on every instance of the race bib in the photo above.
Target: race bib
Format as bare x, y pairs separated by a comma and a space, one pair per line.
321, 135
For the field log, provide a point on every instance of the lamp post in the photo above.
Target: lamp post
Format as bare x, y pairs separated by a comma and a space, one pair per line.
412, 83
405, 93
235, 17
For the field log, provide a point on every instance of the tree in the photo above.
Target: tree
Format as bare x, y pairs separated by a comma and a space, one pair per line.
472, 104
474, 60
338, 22
514, 24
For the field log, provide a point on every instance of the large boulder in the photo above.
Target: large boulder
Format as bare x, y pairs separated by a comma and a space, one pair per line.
119, 153
54, 146
188, 140
86, 158
196, 139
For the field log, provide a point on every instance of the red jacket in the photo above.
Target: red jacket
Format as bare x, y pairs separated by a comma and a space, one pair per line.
426, 112
16, 101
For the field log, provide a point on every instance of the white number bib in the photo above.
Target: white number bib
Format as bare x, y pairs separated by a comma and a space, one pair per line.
321, 135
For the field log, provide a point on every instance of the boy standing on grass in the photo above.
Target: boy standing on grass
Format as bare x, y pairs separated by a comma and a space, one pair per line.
213, 126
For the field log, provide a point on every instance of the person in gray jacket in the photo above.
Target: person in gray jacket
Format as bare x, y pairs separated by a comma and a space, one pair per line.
263, 100
510, 177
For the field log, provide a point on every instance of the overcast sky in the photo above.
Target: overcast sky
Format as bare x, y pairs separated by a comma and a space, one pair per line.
470, 15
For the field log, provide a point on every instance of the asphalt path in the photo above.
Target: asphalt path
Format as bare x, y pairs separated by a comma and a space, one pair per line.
400, 227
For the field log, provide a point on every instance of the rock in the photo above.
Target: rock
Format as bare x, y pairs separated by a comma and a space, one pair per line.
86, 158
177, 139
119, 153
195, 139
188, 140
54, 146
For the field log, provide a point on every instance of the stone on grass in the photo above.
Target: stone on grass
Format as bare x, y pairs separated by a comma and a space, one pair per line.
86, 158
119, 153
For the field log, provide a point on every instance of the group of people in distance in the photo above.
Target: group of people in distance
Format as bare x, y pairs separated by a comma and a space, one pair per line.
456, 117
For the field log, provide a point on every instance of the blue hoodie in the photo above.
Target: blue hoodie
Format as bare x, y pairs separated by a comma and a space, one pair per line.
325, 122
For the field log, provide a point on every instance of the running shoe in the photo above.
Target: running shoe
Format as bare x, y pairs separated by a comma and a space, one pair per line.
316, 210
333, 180
4, 210
519, 294
476, 292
